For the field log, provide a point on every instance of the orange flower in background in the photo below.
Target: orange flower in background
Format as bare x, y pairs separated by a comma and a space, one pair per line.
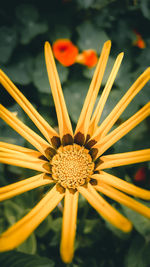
65, 52
87, 58
140, 175
139, 42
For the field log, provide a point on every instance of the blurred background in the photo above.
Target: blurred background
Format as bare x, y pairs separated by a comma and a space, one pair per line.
24, 27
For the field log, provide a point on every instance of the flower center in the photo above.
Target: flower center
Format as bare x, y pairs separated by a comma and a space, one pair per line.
72, 166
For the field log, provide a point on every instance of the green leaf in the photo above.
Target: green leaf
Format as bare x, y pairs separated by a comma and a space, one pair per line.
138, 254
145, 7
141, 224
75, 95
90, 225
63, 72
12, 211
17, 259
60, 32
40, 78
8, 41
44, 227
29, 246
56, 224
88, 72
85, 3
90, 37
29, 26
21, 71
27, 13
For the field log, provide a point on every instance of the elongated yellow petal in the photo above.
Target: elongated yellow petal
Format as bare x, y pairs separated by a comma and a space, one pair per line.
123, 199
17, 160
105, 209
107, 124
49, 133
69, 226
5, 152
122, 130
24, 130
121, 159
122, 185
19, 149
20, 187
65, 127
20, 231
100, 106
84, 119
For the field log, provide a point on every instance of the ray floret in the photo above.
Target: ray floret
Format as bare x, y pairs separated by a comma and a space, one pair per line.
20, 231
100, 106
49, 133
122, 130
122, 185
84, 119
107, 124
20, 187
65, 128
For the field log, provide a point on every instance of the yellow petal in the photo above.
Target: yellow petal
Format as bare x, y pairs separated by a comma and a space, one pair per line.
100, 106
24, 130
105, 209
84, 119
123, 199
69, 226
16, 149
122, 130
122, 185
21, 230
121, 159
65, 127
107, 124
20, 187
24, 162
49, 133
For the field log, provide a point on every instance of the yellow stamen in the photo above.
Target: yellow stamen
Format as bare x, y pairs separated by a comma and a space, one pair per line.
69, 226
72, 166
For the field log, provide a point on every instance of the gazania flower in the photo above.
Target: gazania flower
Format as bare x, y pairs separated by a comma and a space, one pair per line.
65, 52
73, 162
87, 58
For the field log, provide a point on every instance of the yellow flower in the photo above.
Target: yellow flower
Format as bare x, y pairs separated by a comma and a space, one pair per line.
73, 162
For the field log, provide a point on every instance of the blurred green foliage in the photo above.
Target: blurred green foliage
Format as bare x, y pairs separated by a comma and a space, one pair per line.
24, 27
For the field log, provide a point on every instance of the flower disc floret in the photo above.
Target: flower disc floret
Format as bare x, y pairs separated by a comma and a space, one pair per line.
72, 166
